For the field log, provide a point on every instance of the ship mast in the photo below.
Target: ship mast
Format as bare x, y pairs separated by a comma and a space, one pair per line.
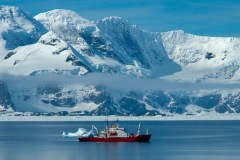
107, 123
106, 132
139, 128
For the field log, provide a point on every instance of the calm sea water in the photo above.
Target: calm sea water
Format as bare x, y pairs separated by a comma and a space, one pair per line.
171, 140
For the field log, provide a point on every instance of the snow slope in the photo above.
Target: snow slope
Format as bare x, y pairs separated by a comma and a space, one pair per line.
204, 57
49, 54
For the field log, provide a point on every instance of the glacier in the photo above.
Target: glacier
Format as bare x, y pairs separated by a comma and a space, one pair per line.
59, 63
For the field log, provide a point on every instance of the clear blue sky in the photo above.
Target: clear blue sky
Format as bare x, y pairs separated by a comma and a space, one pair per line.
200, 17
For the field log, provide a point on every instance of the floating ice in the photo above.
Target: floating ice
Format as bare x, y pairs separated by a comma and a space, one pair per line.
80, 132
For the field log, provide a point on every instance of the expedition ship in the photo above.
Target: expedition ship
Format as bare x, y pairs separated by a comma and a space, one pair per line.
115, 134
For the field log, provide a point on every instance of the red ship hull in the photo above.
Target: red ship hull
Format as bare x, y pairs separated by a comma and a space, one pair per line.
139, 138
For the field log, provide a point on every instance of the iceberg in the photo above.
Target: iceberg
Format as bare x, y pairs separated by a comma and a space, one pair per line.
80, 132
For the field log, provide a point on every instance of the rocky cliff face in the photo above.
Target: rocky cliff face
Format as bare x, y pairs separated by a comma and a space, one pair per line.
98, 100
6, 104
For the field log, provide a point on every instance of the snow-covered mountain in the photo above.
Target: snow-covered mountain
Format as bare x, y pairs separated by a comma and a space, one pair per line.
17, 28
91, 46
60, 42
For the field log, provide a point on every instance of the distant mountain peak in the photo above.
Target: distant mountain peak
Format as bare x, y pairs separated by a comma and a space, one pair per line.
16, 19
9, 9
62, 17
116, 22
114, 19
67, 24
17, 28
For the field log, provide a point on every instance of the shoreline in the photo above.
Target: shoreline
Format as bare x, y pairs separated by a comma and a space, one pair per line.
9, 118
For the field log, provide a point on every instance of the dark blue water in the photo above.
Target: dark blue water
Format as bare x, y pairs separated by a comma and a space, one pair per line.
171, 140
